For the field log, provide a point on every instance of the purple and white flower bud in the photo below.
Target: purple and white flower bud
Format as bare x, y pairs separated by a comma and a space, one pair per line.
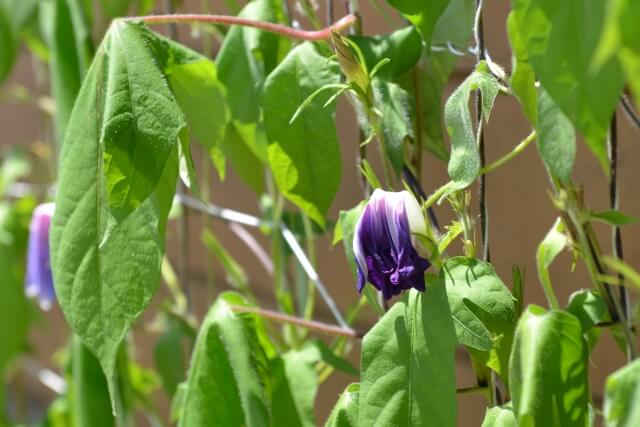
385, 252
38, 280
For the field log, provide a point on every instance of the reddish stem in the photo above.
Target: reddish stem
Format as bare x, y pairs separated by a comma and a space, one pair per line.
282, 30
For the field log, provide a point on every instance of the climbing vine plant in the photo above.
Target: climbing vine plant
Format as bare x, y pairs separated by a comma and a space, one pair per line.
139, 121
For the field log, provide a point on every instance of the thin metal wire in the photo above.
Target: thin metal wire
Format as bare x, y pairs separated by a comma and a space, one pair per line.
253, 221
615, 231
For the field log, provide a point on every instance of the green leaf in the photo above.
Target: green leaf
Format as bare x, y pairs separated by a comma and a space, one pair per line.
330, 358
168, 355
295, 385
432, 75
201, 97
65, 30
118, 154
500, 416
483, 309
245, 146
227, 381
348, 221
554, 242
622, 395
115, 8
89, 395
304, 155
464, 162
523, 78
589, 307
621, 37
8, 43
403, 47
396, 121
422, 14
247, 56
561, 39
614, 218
556, 138
549, 384
345, 413
408, 363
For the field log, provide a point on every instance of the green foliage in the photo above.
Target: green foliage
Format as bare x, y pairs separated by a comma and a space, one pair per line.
500, 416
483, 310
464, 163
227, 380
554, 242
304, 155
408, 364
561, 39
345, 413
556, 138
622, 394
548, 376
423, 15
117, 179
8, 43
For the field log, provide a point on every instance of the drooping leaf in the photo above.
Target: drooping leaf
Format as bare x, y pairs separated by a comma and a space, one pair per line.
117, 180
408, 363
295, 384
227, 381
554, 242
304, 155
464, 162
549, 384
422, 14
556, 138
561, 39
403, 47
483, 309
622, 397
89, 395
345, 413
500, 416
396, 121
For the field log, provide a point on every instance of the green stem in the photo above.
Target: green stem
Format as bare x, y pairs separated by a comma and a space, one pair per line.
513, 153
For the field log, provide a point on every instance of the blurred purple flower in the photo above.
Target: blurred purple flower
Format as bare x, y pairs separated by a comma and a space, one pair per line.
38, 281
385, 253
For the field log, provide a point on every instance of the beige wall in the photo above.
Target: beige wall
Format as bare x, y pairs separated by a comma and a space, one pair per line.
520, 213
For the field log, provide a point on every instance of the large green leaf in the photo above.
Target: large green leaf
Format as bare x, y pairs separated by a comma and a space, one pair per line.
295, 384
549, 384
464, 162
402, 47
345, 413
500, 416
523, 78
117, 180
556, 138
396, 121
227, 382
622, 397
561, 38
621, 37
483, 309
89, 395
304, 155
422, 14
408, 363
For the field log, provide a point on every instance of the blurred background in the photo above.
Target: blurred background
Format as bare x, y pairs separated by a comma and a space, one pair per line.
520, 213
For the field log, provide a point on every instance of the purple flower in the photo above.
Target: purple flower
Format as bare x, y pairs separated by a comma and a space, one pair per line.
385, 253
38, 281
